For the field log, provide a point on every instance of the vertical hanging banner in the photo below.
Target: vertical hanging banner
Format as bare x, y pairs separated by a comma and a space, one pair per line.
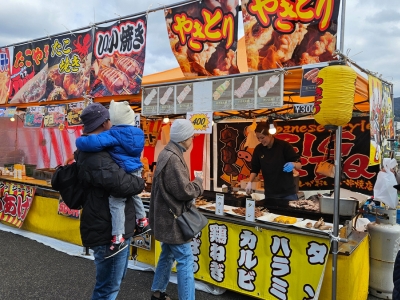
278, 34
15, 201
203, 37
5, 74
22, 72
54, 115
376, 119
29, 72
119, 57
34, 116
69, 66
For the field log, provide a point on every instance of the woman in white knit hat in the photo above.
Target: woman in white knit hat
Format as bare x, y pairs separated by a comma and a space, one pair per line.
173, 189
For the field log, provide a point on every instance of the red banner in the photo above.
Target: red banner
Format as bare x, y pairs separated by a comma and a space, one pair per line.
279, 33
15, 201
310, 141
118, 58
203, 37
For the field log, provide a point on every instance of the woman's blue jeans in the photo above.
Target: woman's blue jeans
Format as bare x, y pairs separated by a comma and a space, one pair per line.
182, 253
109, 272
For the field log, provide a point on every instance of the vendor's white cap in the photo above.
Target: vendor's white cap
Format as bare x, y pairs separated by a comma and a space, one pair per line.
181, 130
121, 113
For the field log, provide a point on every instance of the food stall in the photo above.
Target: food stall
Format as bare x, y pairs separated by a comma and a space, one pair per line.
285, 251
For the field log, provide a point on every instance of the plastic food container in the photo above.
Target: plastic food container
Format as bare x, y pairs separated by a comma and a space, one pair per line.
347, 207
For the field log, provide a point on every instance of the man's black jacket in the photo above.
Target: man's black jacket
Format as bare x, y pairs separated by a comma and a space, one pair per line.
102, 177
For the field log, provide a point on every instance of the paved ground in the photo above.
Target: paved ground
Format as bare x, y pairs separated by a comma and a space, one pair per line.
31, 270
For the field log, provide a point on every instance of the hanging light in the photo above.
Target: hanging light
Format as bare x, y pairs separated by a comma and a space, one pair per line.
12, 119
166, 120
272, 128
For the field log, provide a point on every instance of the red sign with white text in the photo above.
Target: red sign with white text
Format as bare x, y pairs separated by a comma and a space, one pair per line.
15, 202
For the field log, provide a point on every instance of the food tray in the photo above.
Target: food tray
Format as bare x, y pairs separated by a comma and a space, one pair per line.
347, 207
302, 224
208, 208
269, 218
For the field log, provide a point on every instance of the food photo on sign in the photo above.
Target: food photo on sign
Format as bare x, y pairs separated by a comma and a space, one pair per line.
69, 66
118, 58
273, 40
34, 116
204, 52
54, 116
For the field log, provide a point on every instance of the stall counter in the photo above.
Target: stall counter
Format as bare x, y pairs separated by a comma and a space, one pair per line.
43, 217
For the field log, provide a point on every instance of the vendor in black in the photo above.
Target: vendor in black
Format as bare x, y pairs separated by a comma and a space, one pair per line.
276, 159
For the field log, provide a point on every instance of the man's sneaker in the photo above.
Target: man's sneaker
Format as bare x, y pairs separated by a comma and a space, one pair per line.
142, 226
113, 249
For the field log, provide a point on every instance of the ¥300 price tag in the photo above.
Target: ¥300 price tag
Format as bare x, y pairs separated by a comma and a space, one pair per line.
202, 122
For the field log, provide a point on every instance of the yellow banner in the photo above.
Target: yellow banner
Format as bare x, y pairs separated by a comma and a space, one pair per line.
265, 264
376, 116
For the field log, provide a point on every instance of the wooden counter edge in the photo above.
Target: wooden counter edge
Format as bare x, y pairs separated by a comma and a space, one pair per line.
35, 182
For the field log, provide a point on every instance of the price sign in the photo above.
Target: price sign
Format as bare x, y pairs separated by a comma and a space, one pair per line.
250, 208
303, 108
219, 204
202, 122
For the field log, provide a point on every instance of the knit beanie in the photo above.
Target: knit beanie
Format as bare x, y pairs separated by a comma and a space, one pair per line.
181, 130
121, 113
93, 116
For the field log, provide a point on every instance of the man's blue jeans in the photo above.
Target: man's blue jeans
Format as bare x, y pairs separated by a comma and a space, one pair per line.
109, 272
182, 253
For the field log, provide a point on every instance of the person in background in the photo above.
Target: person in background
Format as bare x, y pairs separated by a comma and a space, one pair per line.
102, 177
396, 268
276, 159
172, 189
125, 143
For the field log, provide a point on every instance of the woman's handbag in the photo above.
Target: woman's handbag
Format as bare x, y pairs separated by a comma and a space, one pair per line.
325, 167
191, 221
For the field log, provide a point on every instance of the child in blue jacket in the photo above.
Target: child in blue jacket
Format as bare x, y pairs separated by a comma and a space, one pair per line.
125, 143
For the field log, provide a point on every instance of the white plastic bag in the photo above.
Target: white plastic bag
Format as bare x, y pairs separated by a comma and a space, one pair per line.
384, 190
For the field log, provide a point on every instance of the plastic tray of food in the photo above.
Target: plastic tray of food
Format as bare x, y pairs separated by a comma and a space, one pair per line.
279, 219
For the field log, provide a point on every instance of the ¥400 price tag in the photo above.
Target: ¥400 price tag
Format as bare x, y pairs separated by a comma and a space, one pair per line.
202, 122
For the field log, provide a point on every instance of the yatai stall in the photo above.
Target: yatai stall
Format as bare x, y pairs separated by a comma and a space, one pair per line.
280, 251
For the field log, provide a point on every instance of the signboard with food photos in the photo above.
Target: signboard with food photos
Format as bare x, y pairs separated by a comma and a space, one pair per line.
239, 93
279, 34
34, 116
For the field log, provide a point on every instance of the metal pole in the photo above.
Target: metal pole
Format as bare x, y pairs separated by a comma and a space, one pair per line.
338, 164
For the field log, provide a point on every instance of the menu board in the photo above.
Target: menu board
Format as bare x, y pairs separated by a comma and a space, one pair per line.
270, 91
150, 101
243, 94
54, 115
263, 90
222, 95
184, 98
166, 103
34, 116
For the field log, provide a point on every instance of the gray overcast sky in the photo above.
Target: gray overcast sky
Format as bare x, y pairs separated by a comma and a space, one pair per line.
372, 29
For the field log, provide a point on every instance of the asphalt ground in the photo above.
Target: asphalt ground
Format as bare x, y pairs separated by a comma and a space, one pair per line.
32, 270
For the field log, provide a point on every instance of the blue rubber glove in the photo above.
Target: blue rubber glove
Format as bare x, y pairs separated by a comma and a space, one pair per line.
288, 167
